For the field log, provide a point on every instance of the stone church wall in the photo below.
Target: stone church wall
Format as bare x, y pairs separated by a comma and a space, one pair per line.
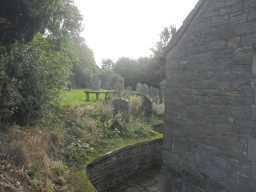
210, 131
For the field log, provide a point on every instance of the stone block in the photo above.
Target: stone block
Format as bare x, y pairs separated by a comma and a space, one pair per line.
210, 99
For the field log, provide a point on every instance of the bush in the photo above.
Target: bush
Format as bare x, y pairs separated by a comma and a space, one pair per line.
135, 105
159, 109
30, 76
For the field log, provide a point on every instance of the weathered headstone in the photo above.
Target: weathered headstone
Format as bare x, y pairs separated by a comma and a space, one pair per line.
139, 87
151, 92
120, 106
162, 91
146, 89
118, 83
154, 94
147, 108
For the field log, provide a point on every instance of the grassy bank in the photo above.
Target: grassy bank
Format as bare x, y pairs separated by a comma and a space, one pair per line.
55, 151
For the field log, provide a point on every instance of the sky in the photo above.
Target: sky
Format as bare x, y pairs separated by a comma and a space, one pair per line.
129, 28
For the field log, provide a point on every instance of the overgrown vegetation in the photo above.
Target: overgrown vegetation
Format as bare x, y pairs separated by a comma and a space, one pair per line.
22, 19
58, 148
31, 75
36, 56
48, 135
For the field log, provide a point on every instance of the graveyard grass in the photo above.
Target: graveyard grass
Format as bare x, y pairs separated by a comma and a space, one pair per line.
76, 97
84, 130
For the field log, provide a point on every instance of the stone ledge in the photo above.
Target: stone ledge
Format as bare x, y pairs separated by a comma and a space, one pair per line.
114, 168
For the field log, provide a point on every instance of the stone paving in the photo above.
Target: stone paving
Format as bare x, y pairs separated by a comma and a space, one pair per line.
143, 182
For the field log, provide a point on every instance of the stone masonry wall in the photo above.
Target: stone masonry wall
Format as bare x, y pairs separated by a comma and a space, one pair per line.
210, 131
113, 169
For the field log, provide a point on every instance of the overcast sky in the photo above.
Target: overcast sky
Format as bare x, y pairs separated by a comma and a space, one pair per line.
116, 28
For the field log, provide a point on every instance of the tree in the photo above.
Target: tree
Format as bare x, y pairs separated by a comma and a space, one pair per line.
36, 55
130, 70
157, 65
84, 66
149, 70
32, 75
21, 19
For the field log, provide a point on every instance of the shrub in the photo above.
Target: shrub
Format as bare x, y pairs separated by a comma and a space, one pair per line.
76, 153
30, 76
118, 126
135, 105
159, 109
139, 129
15, 154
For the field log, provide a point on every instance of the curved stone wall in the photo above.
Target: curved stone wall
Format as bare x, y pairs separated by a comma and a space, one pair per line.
113, 169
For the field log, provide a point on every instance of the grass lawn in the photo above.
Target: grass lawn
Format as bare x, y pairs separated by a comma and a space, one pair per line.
76, 97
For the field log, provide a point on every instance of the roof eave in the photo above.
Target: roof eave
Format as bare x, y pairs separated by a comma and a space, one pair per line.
186, 24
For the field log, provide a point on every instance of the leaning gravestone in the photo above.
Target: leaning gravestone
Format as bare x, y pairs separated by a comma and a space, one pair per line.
121, 106
162, 91
118, 83
147, 108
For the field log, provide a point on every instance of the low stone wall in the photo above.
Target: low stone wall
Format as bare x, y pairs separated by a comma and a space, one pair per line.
113, 169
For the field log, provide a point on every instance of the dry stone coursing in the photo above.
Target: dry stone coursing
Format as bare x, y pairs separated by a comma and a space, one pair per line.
113, 170
211, 100
146, 181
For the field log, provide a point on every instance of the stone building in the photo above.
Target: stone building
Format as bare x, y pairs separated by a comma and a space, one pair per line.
210, 131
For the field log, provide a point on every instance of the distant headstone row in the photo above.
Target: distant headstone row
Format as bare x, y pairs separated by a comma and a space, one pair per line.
108, 82
155, 94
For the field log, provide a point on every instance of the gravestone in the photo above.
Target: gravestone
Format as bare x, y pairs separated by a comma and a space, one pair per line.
107, 81
210, 99
149, 91
146, 90
155, 94
120, 106
147, 108
118, 83
162, 91
139, 87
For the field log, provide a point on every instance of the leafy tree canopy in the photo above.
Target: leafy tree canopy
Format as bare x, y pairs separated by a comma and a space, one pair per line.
31, 75
21, 19
149, 70
130, 70
39, 44
84, 65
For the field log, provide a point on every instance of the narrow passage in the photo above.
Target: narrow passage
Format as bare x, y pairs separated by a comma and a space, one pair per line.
148, 181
